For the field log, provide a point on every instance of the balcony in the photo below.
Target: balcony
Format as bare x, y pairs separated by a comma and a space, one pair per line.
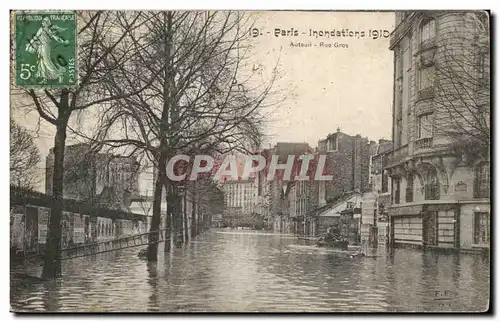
423, 143
426, 93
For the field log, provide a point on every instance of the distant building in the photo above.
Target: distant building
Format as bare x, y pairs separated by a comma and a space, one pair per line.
278, 195
303, 197
242, 194
440, 190
348, 159
377, 199
99, 178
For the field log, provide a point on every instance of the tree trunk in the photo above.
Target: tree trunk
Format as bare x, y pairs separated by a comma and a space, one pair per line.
186, 220
168, 221
193, 219
174, 215
156, 220
52, 261
178, 219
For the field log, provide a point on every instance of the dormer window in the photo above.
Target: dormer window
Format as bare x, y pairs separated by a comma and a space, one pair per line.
332, 144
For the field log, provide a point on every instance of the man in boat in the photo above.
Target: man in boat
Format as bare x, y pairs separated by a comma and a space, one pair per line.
333, 239
329, 237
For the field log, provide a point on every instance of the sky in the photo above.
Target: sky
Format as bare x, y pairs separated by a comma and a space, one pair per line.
324, 83
346, 86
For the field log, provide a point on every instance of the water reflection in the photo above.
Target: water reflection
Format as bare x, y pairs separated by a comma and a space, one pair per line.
245, 271
153, 283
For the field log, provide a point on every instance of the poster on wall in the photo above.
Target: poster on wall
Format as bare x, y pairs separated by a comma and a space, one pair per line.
17, 231
65, 236
43, 220
79, 229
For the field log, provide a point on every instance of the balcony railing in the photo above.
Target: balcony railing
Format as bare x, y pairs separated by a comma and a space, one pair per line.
424, 143
426, 93
409, 195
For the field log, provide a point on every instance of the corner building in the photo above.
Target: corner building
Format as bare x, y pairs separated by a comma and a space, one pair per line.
440, 194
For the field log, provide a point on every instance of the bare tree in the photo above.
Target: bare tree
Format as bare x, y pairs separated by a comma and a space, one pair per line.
98, 37
462, 95
24, 157
197, 96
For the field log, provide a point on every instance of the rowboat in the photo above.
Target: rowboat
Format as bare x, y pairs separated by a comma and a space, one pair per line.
340, 246
351, 251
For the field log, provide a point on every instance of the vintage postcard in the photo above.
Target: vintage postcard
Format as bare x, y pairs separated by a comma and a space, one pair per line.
250, 161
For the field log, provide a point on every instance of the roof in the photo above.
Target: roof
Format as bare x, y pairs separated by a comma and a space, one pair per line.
290, 148
331, 204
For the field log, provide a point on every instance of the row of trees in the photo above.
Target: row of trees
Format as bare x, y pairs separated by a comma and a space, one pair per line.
157, 84
24, 157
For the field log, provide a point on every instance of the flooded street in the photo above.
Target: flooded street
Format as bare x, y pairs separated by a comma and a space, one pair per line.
224, 271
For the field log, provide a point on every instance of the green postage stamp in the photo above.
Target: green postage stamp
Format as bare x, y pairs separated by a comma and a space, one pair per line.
45, 49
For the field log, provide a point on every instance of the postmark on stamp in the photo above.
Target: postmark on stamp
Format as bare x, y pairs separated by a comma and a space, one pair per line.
45, 49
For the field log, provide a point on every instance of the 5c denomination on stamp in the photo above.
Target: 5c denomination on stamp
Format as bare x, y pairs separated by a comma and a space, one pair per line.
46, 49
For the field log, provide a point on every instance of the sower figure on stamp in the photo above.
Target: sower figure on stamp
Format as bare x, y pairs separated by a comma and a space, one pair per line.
40, 44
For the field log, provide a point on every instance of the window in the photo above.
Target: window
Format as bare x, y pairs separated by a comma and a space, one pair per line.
483, 68
321, 191
399, 132
332, 144
481, 228
426, 76
424, 126
399, 65
385, 182
432, 186
397, 190
350, 205
482, 181
427, 31
409, 188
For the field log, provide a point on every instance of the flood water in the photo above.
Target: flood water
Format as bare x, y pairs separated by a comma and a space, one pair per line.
245, 271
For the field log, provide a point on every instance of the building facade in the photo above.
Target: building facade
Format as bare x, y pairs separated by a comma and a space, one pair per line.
348, 160
95, 176
275, 194
439, 176
242, 194
378, 200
